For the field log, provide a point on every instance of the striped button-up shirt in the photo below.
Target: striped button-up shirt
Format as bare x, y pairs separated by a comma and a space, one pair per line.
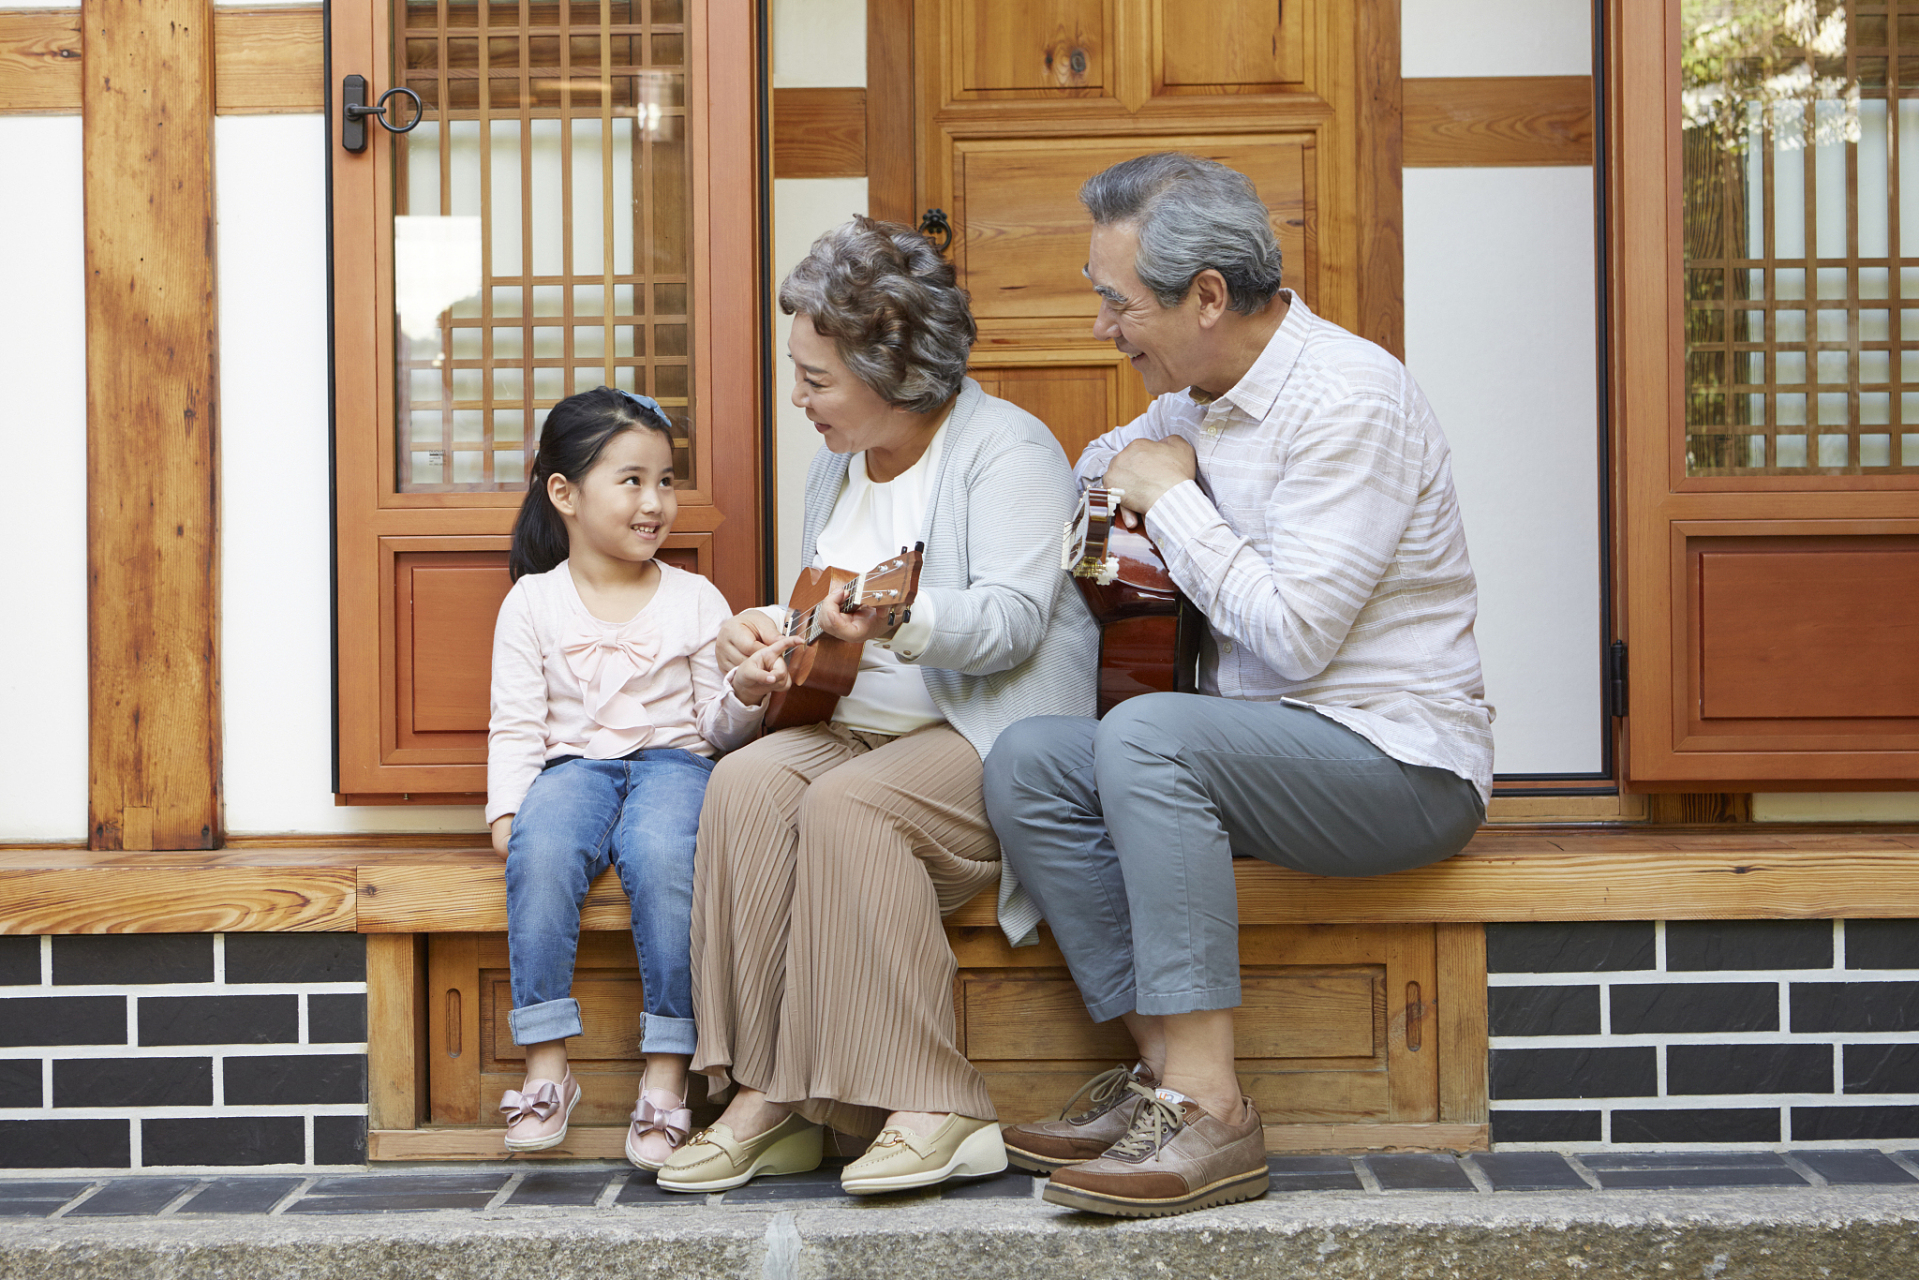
1323, 542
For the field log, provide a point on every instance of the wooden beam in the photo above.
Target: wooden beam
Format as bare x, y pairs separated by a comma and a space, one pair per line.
1499, 120
268, 61
153, 544
178, 900
892, 138
819, 133
39, 62
1462, 1022
396, 1034
1382, 232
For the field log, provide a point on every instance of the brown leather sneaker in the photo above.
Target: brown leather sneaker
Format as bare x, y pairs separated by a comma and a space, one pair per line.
1042, 1146
1175, 1158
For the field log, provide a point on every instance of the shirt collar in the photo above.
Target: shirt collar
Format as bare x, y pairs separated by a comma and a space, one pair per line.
1259, 387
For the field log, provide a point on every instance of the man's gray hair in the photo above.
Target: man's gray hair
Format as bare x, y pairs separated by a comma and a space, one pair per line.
1192, 214
892, 306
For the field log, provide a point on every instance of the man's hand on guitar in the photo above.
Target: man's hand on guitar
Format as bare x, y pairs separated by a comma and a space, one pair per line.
764, 672
742, 636
859, 625
1145, 469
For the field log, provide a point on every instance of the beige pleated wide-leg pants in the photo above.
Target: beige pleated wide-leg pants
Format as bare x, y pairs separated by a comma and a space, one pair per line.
821, 975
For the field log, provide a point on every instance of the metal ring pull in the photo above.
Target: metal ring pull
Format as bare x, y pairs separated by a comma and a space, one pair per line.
933, 223
354, 112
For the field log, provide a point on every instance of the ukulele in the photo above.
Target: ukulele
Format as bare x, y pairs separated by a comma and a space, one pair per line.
1149, 634
824, 667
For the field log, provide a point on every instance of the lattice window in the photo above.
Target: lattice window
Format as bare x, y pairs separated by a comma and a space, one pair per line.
542, 226
1801, 237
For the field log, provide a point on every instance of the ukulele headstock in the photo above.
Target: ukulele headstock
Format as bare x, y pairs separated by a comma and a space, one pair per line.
890, 585
1084, 551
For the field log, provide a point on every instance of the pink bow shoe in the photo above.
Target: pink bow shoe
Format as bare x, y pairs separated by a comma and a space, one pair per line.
536, 1116
659, 1125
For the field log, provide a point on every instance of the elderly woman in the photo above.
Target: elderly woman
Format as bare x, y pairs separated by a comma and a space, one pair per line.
822, 981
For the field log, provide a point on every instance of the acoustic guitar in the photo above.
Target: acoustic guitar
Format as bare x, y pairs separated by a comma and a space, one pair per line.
1149, 633
824, 668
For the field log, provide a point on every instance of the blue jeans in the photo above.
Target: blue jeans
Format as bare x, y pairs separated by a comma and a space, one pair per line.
640, 814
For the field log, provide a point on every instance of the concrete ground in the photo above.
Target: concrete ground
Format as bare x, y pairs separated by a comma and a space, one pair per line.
1507, 1216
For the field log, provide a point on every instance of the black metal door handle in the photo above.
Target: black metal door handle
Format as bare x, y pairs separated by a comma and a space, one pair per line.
933, 223
354, 112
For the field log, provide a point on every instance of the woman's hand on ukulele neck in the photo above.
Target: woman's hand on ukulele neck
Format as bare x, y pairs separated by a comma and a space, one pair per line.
764, 672
742, 636
859, 624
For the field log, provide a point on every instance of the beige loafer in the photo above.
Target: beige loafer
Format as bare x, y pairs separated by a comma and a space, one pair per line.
714, 1160
900, 1159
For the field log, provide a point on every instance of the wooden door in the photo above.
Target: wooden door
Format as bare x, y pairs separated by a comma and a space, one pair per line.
1018, 103
1766, 269
553, 223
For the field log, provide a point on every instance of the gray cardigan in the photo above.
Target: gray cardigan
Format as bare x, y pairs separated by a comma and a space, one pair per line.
1013, 638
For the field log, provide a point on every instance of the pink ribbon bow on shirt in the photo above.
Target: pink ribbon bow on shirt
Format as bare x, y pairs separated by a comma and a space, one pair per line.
605, 666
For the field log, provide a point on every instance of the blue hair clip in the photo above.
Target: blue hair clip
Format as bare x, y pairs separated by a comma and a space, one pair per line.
645, 402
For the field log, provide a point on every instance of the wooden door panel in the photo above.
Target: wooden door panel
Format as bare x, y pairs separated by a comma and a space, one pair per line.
1015, 47
1077, 402
1800, 635
1021, 242
1233, 46
447, 651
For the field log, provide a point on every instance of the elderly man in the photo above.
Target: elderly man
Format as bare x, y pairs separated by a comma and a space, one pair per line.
1298, 485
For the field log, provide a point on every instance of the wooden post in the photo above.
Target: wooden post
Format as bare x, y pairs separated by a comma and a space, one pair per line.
152, 450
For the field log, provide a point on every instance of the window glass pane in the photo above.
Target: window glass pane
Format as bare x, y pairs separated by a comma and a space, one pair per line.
1801, 217
541, 227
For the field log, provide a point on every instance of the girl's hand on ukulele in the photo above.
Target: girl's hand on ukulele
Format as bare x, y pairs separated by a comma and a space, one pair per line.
764, 672
860, 624
742, 636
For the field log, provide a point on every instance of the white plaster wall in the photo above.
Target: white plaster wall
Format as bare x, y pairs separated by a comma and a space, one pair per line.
819, 43
43, 487
276, 572
802, 209
1495, 38
1501, 333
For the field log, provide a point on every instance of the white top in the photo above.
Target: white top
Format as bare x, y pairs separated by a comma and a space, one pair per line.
869, 524
566, 683
1324, 543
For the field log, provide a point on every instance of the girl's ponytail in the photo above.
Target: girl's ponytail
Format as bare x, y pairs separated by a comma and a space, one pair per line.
576, 433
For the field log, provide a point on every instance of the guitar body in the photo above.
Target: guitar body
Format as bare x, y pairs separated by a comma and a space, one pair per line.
824, 668
1149, 633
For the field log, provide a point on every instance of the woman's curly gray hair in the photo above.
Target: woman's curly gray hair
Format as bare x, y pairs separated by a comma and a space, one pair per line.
893, 308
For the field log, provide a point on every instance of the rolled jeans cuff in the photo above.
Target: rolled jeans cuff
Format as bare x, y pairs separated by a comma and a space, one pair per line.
549, 1020
666, 1035
1196, 1000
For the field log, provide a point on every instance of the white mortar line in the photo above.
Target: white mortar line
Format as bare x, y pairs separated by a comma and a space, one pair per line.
306, 1136
193, 989
1475, 1175
1367, 1178
1726, 1039
262, 1110
505, 1193
610, 1192
46, 959
122, 1052
1696, 977
1839, 944
1904, 1162
1579, 1167
220, 959
305, 1035
280, 1205
1659, 945
174, 1205
76, 1202
134, 1153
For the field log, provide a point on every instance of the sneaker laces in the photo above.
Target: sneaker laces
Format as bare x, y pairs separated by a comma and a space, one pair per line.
1154, 1126
1108, 1088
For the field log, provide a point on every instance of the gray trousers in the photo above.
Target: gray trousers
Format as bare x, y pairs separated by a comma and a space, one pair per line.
1124, 831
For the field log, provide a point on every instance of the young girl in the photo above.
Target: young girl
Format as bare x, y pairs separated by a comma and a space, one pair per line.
608, 708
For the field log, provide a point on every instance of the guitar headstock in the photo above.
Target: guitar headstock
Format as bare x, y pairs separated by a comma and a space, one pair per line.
1083, 553
890, 585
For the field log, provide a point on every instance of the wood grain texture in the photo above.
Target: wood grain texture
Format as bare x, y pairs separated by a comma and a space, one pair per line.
1380, 191
890, 106
819, 133
1498, 120
40, 62
1377, 1137
1462, 1023
177, 900
153, 545
270, 61
396, 1030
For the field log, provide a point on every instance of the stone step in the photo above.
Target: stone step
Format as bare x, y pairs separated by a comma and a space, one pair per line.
1719, 1216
